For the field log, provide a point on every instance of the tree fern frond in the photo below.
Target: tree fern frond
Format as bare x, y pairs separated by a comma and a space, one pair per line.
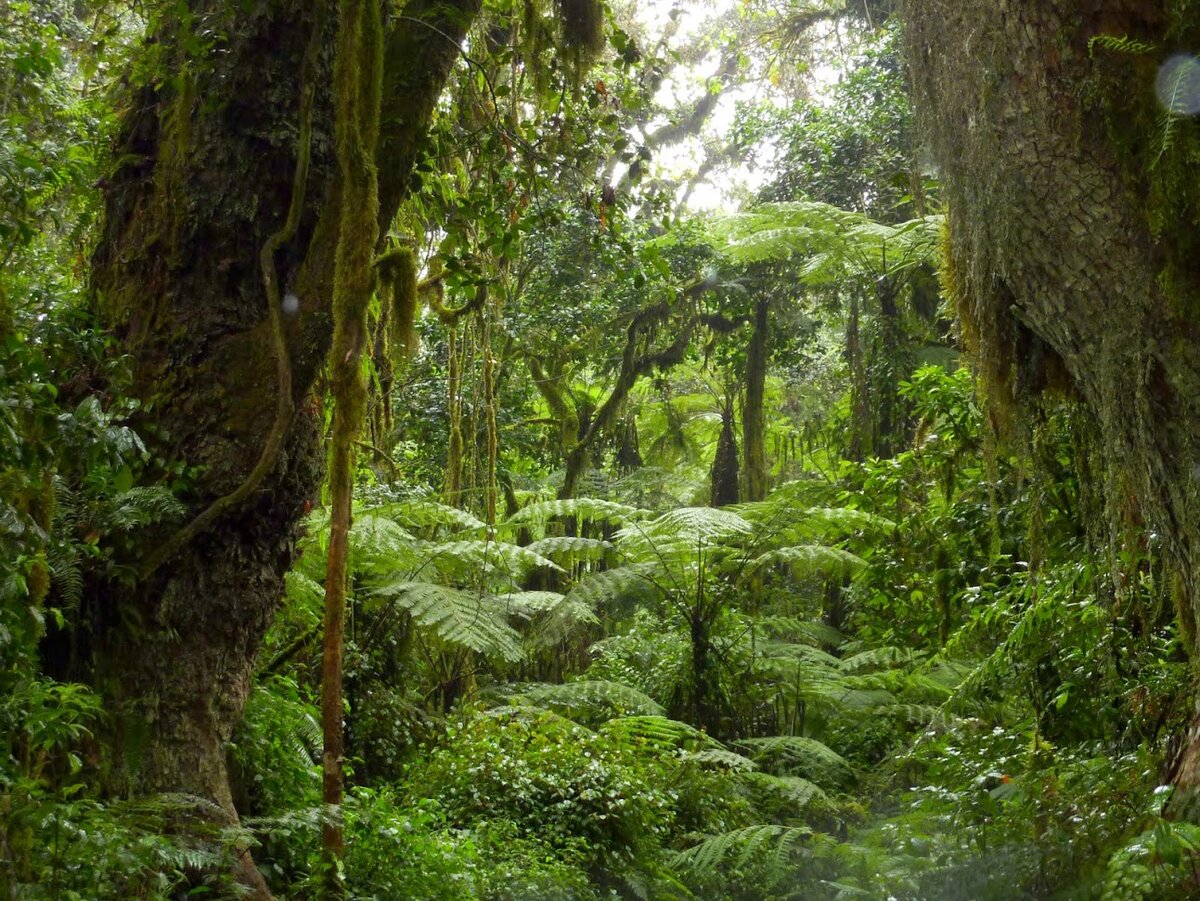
791, 790
658, 732
791, 628
567, 550
879, 658
458, 617
721, 758
587, 509
423, 513
595, 589
810, 559
475, 556
740, 847
797, 755
379, 545
813, 657
593, 700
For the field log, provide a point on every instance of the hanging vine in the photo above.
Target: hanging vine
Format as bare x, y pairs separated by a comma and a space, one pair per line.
358, 69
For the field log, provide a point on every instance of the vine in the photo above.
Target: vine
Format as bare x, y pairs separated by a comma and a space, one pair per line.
358, 70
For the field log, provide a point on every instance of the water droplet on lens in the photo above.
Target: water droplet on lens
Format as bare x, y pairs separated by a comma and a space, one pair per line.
1178, 84
291, 305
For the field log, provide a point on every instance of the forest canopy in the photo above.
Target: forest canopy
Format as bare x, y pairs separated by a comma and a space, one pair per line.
514, 449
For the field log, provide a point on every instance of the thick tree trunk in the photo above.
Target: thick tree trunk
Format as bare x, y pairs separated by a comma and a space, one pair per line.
206, 176
211, 155
1073, 258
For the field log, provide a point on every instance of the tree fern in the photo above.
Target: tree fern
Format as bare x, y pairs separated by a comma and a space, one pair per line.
469, 558
567, 550
658, 732
592, 701
475, 621
797, 755
584, 509
595, 589
720, 758
769, 843
810, 559
423, 514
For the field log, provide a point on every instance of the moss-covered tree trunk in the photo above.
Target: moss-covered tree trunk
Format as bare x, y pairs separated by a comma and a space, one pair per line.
754, 420
206, 176
1073, 243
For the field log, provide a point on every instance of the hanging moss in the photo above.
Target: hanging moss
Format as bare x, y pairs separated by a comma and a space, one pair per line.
582, 28
398, 288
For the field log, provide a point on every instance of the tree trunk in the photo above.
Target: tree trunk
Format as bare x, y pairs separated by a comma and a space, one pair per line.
1073, 256
206, 175
723, 477
754, 422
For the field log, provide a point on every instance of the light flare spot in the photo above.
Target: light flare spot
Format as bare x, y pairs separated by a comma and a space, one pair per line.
1178, 84
290, 305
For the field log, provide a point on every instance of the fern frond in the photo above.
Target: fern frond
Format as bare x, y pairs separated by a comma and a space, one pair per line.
658, 733
790, 628
791, 790
722, 759
879, 658
424, 513
586, 509
797, 756
595, 589
458, 617
593, 700
471, 557
810, 559
739, 847
567, 550
379, 545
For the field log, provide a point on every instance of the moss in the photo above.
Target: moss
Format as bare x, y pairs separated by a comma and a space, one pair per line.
399, 289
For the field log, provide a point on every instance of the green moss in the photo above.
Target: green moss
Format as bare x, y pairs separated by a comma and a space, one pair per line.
398, 287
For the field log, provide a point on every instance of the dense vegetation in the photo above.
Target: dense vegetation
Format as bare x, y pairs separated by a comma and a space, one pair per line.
418, 480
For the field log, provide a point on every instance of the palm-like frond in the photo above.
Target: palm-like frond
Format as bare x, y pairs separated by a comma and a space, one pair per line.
567, 550
658, 732
479, 556
463, 618
810, 559
768, 843
797, 755
585, 509
592, 700
720, 758
424, 513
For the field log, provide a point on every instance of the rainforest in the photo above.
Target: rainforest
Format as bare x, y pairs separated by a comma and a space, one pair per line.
600, 449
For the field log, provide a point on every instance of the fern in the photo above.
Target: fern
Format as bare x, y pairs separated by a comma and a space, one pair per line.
613, 584
594, 701
810, 559
797, 755
459, 617
769, 843
424, 514
658, 733
585, 509
789, 790
567, 550
472, 557
722, 759
1123, 44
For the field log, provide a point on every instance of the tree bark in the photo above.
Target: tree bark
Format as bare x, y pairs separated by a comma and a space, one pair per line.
207, 157
1072, 252
754, 422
